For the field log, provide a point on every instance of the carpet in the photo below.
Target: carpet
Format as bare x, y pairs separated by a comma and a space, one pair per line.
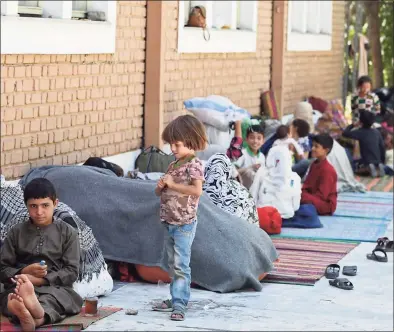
359, 217
303, 262
74, 323
384, 184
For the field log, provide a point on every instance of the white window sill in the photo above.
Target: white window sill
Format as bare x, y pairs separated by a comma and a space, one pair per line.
191, 40
308, 42
26, 35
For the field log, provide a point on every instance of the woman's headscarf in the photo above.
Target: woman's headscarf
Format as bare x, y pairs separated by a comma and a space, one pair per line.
227, 193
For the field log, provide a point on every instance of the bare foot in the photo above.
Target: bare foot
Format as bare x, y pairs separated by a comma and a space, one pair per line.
25, 289
16, 306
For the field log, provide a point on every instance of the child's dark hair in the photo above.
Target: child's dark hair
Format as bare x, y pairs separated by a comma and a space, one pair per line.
302, 127
39, 188
282, 131
257, 128
324, 140
362, 80
367, 119
188, 130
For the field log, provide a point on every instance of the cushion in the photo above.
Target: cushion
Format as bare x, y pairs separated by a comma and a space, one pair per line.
216, 111
305, 217
318, 104
270, 219
270, 106
99, 285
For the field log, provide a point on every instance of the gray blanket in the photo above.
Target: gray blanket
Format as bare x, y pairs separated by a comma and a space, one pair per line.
227, 254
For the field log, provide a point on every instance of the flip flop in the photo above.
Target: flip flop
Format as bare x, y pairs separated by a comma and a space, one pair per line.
165, 306
332, 271
349, 270
177, 315
342, 283
385, 244
378, 258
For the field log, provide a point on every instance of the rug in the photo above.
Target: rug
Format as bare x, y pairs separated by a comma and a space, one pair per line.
303, 262
384, 184
74, 323
359, 217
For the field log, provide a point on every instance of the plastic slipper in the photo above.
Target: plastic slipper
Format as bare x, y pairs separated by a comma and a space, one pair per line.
349, 270
378, 258
332, 271
178, 315
165, 306
386, 245
341, 283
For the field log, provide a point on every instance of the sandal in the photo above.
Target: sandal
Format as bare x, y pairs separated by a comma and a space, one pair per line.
349, 270
332, 271
378, 258
178, 315
341, 283
385, 244
165, 306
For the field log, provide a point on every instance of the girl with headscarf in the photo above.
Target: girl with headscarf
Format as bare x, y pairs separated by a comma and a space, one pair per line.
227, 193
277, 185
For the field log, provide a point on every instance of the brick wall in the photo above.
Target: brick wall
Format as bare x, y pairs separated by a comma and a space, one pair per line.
61, 109
240, 77
315, 73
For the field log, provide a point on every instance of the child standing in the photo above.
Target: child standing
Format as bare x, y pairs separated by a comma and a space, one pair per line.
371, 143
180, 190
365, 100
320, 186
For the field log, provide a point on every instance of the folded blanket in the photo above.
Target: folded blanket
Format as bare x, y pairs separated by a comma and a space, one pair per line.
228, 253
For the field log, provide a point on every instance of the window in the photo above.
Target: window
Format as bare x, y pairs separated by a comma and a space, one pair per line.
54, 32
232, 26
309, 25
29, 8
80, 8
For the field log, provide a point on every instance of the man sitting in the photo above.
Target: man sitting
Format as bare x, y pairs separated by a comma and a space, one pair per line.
39, 263
320, 186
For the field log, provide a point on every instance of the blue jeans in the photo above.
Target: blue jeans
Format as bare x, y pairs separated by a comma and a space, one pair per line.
301, 167
388, 171
179, 249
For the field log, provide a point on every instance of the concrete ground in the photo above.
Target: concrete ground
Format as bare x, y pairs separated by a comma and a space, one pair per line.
368, 307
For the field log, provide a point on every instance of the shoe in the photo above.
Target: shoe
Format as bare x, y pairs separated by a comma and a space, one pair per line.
382, 172
372, 170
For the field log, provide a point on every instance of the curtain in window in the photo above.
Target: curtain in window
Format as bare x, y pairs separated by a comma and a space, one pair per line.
80, 6
298, 16
28, 3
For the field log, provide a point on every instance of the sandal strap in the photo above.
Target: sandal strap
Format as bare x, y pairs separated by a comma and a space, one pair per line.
380, 250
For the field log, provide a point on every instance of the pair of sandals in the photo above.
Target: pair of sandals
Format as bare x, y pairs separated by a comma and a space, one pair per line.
332, 272
166, 306
379, 254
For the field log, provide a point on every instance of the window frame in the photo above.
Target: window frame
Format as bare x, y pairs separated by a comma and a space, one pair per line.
191, 40
306, 41
30, 35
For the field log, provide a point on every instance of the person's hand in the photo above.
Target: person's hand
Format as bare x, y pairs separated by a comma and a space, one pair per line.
291, 147
36, 270
168, 181
161, 184
256, 166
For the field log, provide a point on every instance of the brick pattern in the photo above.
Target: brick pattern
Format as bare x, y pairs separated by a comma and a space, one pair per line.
315, 73
239, 76
62, 109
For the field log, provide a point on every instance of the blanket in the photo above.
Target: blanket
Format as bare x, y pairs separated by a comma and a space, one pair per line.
228, 253
340, 161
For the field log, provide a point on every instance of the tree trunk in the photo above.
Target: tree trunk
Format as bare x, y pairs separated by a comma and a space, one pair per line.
372, 12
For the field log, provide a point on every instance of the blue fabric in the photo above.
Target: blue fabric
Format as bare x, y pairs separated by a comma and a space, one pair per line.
203, 103
301, 167
388, 170
268, 145
179, 251
305, 217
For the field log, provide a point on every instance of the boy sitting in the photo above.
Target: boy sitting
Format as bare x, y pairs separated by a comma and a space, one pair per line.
371, 143
320, 186
247, 161
39, 263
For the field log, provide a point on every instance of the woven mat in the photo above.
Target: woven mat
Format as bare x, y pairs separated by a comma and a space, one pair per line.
303, 262
74, 323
